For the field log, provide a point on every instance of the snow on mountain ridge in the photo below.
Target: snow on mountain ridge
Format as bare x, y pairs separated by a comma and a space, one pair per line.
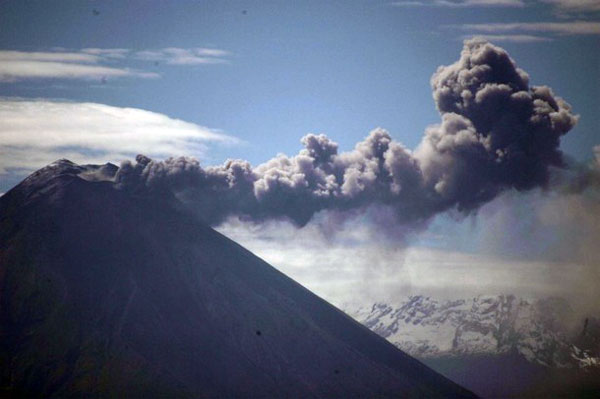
538, 329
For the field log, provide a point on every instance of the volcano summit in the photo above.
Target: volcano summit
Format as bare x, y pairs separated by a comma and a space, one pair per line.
104, 291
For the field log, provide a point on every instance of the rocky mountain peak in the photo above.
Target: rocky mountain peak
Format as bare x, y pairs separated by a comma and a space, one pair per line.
538, 329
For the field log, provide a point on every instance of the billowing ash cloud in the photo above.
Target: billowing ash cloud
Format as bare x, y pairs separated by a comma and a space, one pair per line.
496, 133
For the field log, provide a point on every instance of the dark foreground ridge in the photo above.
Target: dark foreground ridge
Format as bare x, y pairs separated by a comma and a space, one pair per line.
107, 293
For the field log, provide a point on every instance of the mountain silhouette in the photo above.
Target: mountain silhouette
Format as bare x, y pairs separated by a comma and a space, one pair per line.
111, 292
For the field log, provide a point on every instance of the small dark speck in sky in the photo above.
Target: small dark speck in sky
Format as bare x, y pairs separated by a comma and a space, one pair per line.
258, 332
244, 12
336, 371
103, 80
155, 63
95, 12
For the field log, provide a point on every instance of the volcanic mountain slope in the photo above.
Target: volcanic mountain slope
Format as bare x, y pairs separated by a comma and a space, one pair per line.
498, 346
109, 292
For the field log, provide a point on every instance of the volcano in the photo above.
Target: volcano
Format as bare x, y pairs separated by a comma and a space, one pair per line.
106, 291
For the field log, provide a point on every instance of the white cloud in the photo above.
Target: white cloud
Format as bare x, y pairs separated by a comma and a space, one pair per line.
561, 7
34, 133
181, 56
510, 38
559, 28
19, 65
40, 56
107, 52
354, 268
574, 6
11, 71
98, 63
460, 3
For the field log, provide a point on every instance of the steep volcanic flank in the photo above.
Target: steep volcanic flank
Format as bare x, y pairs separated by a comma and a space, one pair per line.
106, 292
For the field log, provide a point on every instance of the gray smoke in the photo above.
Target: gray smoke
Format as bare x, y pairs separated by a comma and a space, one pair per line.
497, 133
579, 178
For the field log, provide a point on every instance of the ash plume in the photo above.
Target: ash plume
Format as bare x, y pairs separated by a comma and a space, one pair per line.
496, 133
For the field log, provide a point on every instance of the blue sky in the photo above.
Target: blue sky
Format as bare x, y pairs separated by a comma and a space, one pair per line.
247, 80
339, 68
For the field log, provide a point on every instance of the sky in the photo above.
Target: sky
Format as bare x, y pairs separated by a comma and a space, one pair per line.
100, 81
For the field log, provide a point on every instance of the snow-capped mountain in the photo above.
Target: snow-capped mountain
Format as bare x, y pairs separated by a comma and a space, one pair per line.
543, 331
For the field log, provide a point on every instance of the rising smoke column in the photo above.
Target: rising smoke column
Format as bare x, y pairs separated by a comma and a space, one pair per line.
496, 133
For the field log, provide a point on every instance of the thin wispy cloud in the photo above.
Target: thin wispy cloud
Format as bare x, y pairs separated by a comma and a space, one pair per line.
459, 3
567, 7
11, 71
555, 28
561, 7
107, 52
98, 63
509, 38
34, 133
41, 56
21, 65
181, 56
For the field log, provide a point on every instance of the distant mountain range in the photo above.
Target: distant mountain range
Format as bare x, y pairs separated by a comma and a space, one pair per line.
110, 292
495, 345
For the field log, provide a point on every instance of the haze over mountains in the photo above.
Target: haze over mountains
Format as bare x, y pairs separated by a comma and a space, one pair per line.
105, 291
